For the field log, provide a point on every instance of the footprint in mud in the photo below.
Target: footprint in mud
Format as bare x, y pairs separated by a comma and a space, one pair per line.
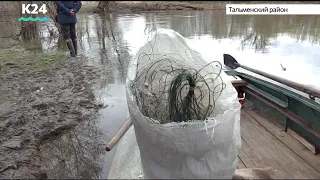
13, 143
42, 106
9, 65
86, 103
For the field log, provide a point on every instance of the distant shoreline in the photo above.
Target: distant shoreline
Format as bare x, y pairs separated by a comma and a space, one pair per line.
170, 5
129, 6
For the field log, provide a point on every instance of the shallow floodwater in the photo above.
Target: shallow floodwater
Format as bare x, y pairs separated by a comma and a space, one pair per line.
111, 40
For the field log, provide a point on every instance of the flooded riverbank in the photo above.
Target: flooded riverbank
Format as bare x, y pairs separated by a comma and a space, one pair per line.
43, 95
109, 41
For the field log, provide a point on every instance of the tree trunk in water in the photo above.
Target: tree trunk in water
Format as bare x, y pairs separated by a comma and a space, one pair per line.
105, 5
29, 30
52, 12
102, 5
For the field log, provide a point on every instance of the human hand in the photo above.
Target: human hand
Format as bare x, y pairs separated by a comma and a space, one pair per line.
71, 12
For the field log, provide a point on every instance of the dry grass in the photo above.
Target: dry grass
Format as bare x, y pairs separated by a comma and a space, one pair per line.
9, 42
29, 59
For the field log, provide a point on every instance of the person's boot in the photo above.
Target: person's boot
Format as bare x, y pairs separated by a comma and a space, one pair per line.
71, 47
75, 45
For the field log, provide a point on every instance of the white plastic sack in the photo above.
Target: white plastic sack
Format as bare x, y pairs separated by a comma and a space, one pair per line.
197, 149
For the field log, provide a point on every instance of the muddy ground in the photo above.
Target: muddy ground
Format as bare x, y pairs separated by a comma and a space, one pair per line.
42, 96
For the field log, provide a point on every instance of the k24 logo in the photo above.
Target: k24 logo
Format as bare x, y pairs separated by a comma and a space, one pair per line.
34, 9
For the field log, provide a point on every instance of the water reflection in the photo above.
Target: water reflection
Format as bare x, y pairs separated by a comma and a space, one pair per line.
77, 154
114, 58
254, 32
104, 44
258, 30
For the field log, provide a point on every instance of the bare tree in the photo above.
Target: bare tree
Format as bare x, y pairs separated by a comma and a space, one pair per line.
105, 5
29, 30
52, 12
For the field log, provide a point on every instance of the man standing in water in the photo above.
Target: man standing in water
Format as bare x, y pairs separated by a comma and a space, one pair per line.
67, 19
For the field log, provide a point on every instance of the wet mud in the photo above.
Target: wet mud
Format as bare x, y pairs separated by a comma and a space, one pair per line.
39, 106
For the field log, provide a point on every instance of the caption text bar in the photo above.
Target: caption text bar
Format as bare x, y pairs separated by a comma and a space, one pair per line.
273, 9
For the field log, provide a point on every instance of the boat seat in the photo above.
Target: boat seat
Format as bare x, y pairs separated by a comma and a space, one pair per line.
272, 98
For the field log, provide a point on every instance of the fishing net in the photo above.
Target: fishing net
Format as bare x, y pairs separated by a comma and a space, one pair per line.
183, 107
175, 86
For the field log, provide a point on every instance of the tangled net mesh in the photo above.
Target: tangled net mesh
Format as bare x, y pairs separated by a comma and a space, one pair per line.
175, 87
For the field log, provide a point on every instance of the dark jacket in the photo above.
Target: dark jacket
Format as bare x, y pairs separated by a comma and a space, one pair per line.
63, 11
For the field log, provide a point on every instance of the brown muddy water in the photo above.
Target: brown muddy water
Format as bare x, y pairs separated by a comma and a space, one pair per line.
111, 40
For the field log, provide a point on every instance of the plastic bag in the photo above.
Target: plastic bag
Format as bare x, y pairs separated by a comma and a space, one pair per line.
193, 149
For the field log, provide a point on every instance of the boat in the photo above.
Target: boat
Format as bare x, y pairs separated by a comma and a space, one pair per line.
280, 130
